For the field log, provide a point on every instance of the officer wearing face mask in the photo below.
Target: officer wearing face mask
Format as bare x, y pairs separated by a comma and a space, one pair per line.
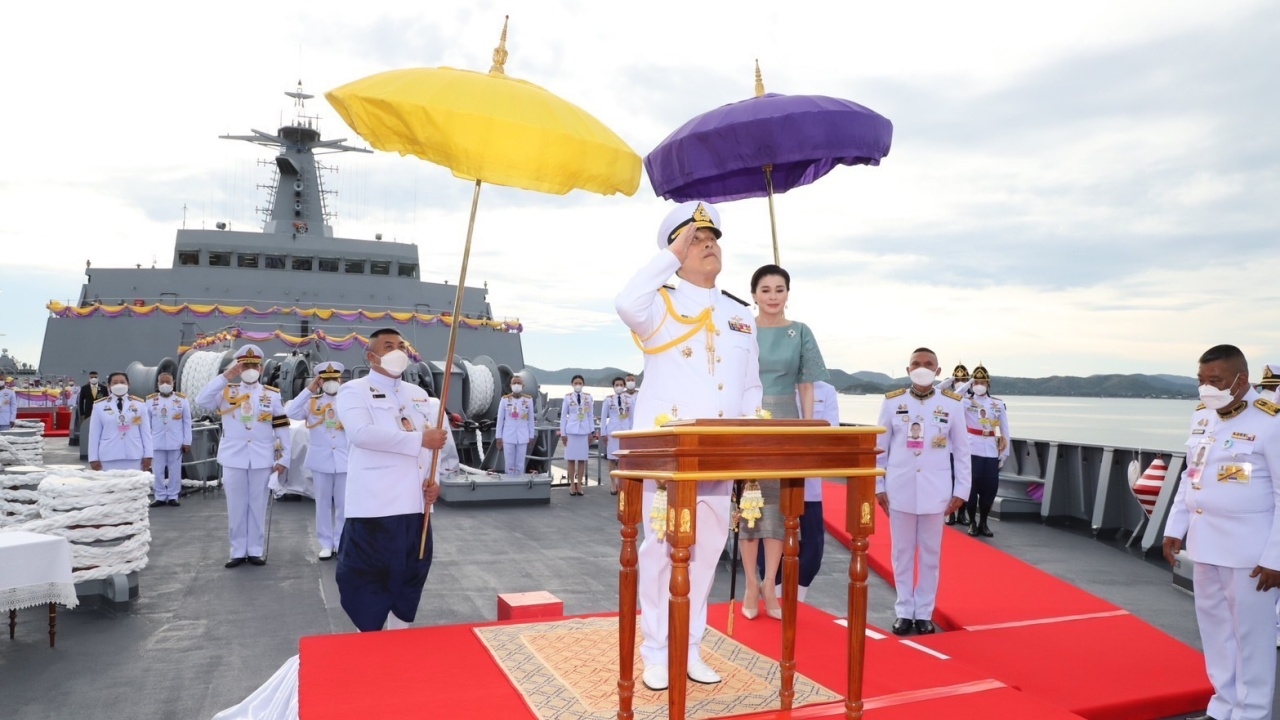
90, 393
987, 422
255, 443
1226, 510
395, 438
326, 452
916, 490
515, 427
120, 429
171, 437
615, 416
8, 405
1270, 382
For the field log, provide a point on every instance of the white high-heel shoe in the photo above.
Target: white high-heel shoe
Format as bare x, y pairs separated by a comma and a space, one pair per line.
751, 611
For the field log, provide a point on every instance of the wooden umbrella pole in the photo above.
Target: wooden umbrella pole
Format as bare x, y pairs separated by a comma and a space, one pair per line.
448, 362
773, 224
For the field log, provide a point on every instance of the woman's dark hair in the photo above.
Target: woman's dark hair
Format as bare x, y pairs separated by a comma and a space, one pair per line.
578, 377
767, 270
619, 380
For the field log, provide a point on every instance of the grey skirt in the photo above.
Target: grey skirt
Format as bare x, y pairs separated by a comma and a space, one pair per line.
770, 523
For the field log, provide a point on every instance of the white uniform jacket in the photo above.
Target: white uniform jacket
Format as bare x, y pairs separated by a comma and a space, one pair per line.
701, 358
826, 406
1229, 511
923, 436
983, 417
326, 437
8, 406
116, 434
255, 431
384, 419
616, 413
577, 414
170, 420
515, 419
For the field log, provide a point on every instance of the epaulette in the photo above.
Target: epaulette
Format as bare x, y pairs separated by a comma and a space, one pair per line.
1200, 407
135, 397
152, 395
1266, 406
952, 395
895, 393
508, 396
279, 421
669, 287
184, 397
734, 298
268, 387
101, 399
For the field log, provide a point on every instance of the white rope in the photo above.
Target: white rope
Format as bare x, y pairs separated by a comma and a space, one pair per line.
481, 381
198, 371
18, 497
22, 447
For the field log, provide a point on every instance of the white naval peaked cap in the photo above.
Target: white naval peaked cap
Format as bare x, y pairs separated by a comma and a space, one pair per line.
700, 214
329, 369
1270, 376
249, 353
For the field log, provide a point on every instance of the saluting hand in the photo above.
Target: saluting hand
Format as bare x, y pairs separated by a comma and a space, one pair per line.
233, 371
1173, 545
1267, 578
314, 385
433, 438
683, 243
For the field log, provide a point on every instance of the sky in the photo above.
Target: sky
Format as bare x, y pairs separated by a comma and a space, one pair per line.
1073, 188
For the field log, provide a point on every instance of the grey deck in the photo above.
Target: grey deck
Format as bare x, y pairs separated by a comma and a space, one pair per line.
201, 638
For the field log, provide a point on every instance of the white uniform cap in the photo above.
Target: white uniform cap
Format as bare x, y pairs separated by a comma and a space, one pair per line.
329, 369
701, 214
249, 353
1270, 376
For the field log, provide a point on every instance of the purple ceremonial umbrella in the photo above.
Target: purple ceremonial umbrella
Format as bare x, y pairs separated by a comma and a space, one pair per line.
769, 143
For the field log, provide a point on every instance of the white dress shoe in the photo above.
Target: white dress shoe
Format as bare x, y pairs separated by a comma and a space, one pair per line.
655, 677
701, 672
326, 554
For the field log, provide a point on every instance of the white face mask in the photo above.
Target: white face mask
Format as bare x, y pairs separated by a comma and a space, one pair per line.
250, 376
1216, 399
119, 390
631, 384
166, 388
923, 376
979, 390
517, 388
618, 389
577, 388
394, 362
330, 386
93, 381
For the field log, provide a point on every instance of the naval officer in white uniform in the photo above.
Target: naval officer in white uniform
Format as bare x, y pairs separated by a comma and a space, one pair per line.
8, 405
515, 427
926, 437
326, 452
1226, 509
701, 361
987, 421
120, 429
255, 443
615, 416
394, 438
170, 437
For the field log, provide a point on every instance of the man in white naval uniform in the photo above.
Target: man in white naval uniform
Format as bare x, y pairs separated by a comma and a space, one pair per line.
120, 429
326, 452
255, 443
986, 420
515, 427
701, 361
8, 405
1226, 508
394, 433
916, 490
170, 437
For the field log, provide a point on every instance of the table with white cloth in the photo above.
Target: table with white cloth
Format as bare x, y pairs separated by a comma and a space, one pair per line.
35, 570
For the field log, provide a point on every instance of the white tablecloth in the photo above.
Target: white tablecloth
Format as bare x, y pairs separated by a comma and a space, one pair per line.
35, 570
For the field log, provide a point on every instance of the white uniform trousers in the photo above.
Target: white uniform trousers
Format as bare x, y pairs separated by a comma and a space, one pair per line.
331, 513
246, 509
712, 529
1235, 630
122, 464
170, 460
514, 453
916, 538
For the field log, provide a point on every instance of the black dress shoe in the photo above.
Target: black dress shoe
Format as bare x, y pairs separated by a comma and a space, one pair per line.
986, 532
973, 530
172, 502
925, 627
902, 626
234, 562
157, 503
255, 560
1202, 717
951, 520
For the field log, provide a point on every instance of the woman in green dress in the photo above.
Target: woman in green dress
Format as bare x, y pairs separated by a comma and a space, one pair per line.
790, 363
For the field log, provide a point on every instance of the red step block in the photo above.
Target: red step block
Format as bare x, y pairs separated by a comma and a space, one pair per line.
527, 605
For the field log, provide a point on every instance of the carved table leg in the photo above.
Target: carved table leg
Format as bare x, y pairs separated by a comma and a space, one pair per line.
53, 622
629, 504
682, 500
791, 505
860, 523
13, 622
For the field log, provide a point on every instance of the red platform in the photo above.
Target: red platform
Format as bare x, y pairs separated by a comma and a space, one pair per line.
529, 605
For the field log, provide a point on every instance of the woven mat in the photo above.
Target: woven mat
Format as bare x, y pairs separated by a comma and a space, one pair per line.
568, 670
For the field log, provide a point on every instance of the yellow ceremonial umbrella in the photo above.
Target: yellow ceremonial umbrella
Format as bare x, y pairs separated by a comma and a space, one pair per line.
486, 127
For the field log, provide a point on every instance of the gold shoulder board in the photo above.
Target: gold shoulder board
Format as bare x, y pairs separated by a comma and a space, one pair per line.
268, 387
184, 397
953, 396
1200, 407
153, 395
101, 399
1266, 406
895, 393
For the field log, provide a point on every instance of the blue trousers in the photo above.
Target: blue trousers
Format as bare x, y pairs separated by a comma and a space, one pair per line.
379, 571
813, 538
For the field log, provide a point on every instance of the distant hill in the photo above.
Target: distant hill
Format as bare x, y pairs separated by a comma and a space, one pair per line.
866, 382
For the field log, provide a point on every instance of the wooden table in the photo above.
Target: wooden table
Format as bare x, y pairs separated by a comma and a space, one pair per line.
682, 453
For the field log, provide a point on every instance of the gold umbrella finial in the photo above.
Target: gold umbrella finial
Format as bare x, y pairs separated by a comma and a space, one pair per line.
500, 52
759, 81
